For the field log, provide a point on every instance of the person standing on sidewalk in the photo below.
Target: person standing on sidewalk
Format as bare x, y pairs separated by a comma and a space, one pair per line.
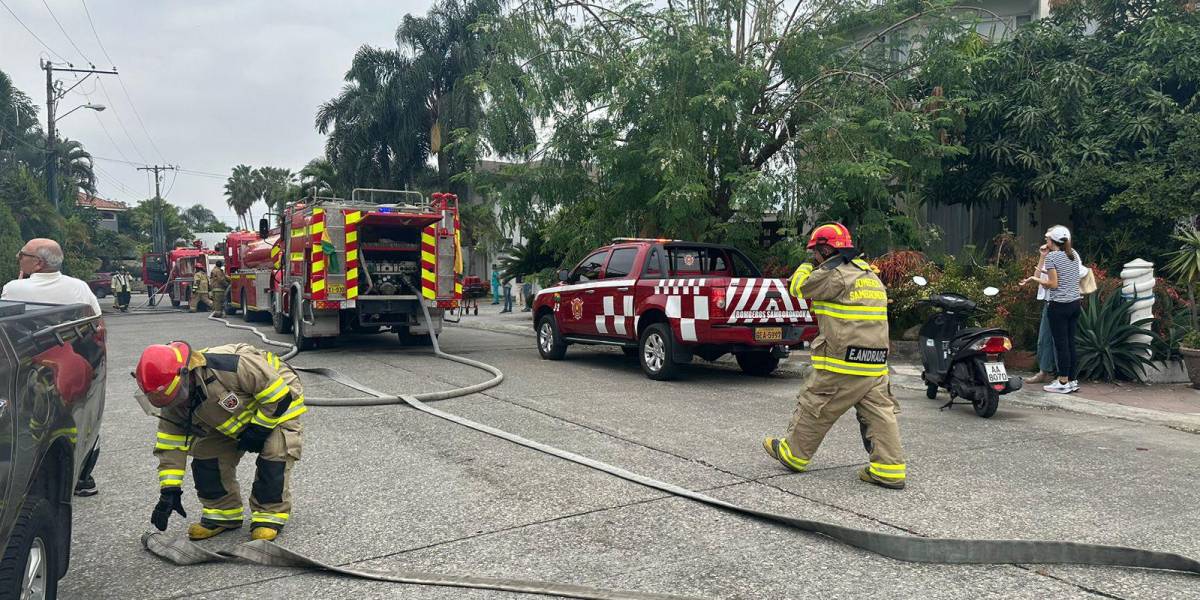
508, 283
495, 285
527, 294
1060, 276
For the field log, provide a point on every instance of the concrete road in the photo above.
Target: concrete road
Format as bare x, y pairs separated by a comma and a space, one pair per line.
391, 488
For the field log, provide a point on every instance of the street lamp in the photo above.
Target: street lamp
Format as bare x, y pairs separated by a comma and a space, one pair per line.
52, 163
89, 106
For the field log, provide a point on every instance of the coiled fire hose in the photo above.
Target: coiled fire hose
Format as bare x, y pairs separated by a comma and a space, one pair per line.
899, 547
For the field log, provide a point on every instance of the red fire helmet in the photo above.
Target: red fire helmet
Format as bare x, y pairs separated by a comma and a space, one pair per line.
161, 370
833, 234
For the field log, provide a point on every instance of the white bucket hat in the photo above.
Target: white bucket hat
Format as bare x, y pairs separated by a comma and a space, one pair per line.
1059, 234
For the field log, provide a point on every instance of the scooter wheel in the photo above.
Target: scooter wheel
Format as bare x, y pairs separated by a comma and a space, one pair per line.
987, 407
931, 390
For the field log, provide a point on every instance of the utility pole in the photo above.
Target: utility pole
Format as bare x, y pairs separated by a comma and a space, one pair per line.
158, 230
53, 95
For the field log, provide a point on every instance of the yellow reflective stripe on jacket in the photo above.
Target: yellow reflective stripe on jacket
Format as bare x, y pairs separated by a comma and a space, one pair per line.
849, 312
266, 517
237, 422
169, 441
887, 471
272, 360
803, 272
824, 363
275, 391
170, 477
295, 409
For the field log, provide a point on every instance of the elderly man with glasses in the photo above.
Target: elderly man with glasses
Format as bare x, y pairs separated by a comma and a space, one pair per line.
41, 280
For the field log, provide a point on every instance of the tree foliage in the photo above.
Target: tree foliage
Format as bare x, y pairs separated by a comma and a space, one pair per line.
1097, 107
675, 119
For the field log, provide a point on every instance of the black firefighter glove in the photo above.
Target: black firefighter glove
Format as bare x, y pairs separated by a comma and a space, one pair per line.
253, 438
171, 499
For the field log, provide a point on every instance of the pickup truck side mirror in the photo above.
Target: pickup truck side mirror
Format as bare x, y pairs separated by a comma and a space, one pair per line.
564, 276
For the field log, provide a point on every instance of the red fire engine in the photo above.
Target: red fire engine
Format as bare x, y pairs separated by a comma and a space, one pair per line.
360, 265
171, 272
252, 264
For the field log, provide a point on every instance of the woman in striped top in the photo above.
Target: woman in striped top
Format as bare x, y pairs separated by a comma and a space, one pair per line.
1060, 277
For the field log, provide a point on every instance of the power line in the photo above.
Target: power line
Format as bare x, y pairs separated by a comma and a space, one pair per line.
35, 36
174, 176
94, 32
139, 118
121, 122
65, 34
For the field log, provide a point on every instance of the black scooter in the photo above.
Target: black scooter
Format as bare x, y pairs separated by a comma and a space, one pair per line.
968, 362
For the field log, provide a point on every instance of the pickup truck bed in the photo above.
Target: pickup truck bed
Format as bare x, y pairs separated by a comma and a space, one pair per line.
52, 379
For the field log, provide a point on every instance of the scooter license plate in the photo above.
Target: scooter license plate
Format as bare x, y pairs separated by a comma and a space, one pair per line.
996, 372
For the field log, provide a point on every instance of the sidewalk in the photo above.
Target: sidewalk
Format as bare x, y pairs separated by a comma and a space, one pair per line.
1176, 406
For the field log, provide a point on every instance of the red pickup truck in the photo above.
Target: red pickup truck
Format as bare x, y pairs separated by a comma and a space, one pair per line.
666, 301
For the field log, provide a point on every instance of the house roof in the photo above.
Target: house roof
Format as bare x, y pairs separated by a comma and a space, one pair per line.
99, 203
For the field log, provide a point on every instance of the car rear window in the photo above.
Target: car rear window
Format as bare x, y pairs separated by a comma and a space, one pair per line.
697, 261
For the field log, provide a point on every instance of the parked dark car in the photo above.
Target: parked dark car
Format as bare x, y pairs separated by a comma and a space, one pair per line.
101, 284
52, 378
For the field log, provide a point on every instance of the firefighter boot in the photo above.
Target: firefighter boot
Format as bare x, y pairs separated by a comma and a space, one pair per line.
865, 475
203, 531
264, 533
779, 450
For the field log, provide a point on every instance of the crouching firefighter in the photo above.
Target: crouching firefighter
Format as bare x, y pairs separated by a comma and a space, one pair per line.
217, 404
849, 360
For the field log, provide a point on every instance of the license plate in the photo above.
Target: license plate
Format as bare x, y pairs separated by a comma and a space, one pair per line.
768, 334
337, 288
996, 372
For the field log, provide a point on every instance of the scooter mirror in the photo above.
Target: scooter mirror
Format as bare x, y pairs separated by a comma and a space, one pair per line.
990, 291
921, 281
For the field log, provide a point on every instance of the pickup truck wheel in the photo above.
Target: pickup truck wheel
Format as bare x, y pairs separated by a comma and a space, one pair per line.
303, 342
32, 554
655, 352
759, 364
550, 345
279, 321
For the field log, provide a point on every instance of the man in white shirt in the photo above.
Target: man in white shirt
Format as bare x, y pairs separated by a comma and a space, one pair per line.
41, 259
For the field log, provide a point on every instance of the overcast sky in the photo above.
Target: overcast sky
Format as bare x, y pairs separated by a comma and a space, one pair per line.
216, 82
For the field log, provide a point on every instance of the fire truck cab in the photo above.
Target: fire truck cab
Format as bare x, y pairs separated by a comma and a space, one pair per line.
367, 263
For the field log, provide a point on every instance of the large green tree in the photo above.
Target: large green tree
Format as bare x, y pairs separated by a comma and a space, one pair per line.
1097, 107
242, 190
691, 119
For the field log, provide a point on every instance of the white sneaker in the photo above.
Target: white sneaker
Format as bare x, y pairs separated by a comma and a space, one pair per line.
1074, 383
1058, 388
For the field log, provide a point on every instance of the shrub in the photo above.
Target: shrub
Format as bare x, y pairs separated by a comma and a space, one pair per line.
898, 266
1105, 341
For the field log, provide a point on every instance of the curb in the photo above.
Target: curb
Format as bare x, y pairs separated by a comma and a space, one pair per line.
908, 377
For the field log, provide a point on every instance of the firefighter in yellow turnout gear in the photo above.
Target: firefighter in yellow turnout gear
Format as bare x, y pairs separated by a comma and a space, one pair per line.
217, 404
219, 282
199, 289
849, 360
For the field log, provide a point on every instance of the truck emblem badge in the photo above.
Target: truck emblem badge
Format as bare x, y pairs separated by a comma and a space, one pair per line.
577, 308
689, 260
230, 402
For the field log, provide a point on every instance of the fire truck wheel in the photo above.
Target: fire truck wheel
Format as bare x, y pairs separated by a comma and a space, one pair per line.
759, 364
279, 321
247, 314
655, 352
550, 345
303, 342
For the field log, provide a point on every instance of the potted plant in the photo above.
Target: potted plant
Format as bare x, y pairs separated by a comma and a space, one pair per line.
1189, 347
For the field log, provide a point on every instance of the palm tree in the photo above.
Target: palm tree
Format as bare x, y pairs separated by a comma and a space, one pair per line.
241, 192
75, 166
399, 106
320, 177
276, 186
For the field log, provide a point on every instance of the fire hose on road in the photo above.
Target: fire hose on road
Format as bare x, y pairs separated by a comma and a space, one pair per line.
899, 547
